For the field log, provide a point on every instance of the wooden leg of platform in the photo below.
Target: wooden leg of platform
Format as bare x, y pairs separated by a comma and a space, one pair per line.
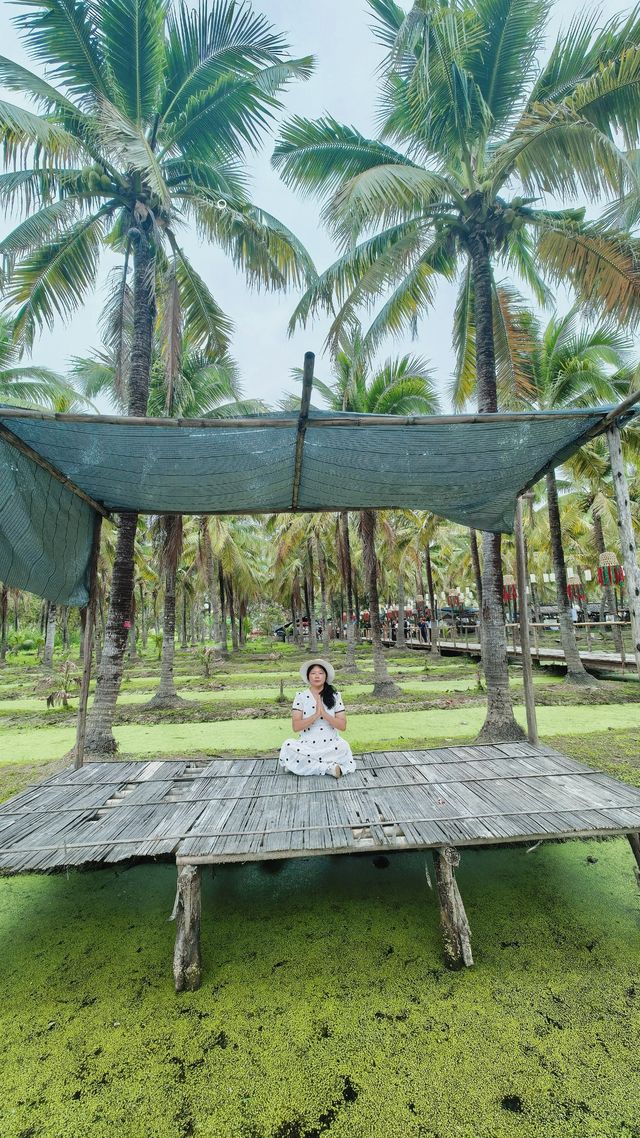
187, 962
453, 919
634, 842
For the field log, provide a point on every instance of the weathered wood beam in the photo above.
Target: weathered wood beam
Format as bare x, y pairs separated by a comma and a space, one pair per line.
634, 842
187, 962
305, 401
89, 627
29, 452
523, 616
453, 919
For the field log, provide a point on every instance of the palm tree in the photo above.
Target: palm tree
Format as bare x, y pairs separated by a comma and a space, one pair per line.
473, 134
156, 104
571, 367
401, 386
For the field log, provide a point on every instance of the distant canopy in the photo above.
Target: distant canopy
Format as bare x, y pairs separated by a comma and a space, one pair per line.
469, 469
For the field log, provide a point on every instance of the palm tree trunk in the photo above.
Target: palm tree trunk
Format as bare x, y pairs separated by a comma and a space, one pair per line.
500, 723
311, 601
609, 597
232, 615
224, 640
4, 609
100, 738
433, 605
576, 673
401, 640
475, 561
346, 569
209, 573
383, 685
166, 695
322, 572
50, 636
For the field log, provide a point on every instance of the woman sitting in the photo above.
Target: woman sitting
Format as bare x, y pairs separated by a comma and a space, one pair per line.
318, 714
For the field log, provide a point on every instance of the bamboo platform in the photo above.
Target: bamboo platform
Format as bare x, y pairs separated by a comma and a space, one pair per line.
214, 811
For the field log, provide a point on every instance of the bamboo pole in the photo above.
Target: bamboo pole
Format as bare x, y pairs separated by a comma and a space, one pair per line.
523, 613
305, 401
627, 538
350, 419
89, 626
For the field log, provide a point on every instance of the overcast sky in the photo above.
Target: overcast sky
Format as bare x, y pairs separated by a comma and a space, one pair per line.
337, 33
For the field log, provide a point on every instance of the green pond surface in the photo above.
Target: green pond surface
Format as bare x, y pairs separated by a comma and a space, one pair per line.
375, 731
325, 1007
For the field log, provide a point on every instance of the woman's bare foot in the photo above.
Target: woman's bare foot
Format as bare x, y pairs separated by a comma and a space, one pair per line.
337, 772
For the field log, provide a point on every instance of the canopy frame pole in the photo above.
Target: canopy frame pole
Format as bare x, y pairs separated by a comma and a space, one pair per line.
305, 402
626, 534
81, 729
52, 470
523, 617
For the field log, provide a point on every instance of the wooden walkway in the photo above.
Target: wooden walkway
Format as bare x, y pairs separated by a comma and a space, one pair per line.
212, 811
460, 647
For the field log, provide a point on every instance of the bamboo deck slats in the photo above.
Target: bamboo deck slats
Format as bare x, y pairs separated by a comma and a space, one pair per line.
248, 809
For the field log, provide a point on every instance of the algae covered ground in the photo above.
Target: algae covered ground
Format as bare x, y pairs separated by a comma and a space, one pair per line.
325, 1007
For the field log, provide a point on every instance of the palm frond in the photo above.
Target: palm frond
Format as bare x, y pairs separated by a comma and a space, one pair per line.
211, 40
259, 244
171, 334
208, 326
385, 195
317, 156
515, 341
414, 294
603, 267
39, 228
62, 35
388, 20
513, 33
554, 150
21, 131
116, 324
126, 143
132, 39
464, 343
56, 278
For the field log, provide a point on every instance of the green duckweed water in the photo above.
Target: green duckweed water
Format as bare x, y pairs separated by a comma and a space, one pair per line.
325, 1008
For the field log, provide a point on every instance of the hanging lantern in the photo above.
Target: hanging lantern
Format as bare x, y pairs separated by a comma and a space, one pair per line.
609, 572
454, 599
575, 590
365, 614
509, 591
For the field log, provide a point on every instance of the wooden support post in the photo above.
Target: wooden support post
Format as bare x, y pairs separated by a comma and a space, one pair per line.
453, 919
89, 625
536, 641
627, 538
634, 842
187, 963
523, 612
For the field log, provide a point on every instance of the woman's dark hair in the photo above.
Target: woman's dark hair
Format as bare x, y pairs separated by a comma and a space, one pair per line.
328, 694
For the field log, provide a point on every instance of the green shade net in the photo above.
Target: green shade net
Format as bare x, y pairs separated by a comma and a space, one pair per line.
469, 472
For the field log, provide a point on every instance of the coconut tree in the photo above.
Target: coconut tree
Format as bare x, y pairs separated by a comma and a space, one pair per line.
573, 365
144, 126
475, 133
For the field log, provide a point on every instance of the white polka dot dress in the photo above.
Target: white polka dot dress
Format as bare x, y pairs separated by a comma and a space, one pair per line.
319, 748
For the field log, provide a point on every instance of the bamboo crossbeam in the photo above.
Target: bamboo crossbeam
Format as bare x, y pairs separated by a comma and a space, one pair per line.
348, 420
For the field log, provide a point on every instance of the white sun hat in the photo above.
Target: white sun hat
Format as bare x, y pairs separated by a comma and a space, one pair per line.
329, 669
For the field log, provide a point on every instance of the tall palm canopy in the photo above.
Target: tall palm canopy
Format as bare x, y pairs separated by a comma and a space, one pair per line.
474, 134
144, 131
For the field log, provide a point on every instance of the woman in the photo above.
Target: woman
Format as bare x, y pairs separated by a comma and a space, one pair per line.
318, 714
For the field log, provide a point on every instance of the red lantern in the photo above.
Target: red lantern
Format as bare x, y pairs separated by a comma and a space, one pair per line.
509, 591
